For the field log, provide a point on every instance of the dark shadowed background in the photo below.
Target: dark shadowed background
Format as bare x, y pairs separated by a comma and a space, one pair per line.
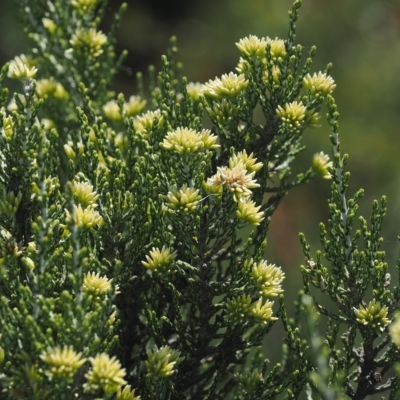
360, 37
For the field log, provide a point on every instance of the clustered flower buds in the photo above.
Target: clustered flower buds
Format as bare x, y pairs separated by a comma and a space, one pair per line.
161, 362
292, 115
63, 362
372, 316
319, 85
162, 261
88, 42
184, 200
320, 164
106, 373
267, 278
230, 85
237, 180
185, 140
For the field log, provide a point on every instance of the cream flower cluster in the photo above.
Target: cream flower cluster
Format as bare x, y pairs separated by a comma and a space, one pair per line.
320, 164
373, 315
230, 85
184, 199
162, 362
237, 180
160, 260
88, 42
186, 140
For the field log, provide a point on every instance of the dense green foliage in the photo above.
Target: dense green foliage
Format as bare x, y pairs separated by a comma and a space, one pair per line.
133, 239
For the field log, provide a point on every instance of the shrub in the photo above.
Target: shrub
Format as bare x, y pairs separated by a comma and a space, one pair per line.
133, 237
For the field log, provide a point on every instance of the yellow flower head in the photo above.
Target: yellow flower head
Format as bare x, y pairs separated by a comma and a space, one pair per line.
144, 123
111, 111
373, 316
106, 373
320, 164
63, 362
249, 212
160, 260
252, 46
161, 362
134, 105
278, 49
8, 127
184, 200
96, 285
268, 278
195, 90
46, 88
22, 67
223, 111
88, 42
236, 179
319, 85
262, 311
84, 194
238, 308
292, 115
9, 202
230, 85
186, 140
394, 330
127, 394
83, 5
248, 161
85, 218
49, 24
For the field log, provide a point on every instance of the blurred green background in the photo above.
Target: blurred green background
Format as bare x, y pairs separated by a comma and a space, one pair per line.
360, 37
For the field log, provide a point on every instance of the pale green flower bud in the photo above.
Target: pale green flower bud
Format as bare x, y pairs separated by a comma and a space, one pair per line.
161, 362
88, 42
236, 179
249, 379
134, 106
2, 355
394, 330
319, 85
20, 69
223, 111
268, 278
230, 85
111, 111
8, 125
144, 123
28, 262
46, 88
238, 309
127, 394
262, 311
95, 285
84, 194
185, 200
9, 203
83, 5
373, 315
69, 152
292, 115
62, 362
252, 46
248, 161
106, 373
278, 49
86, 218
162, 261
276, 73
194, 90
320, 164
49, 25
249, 212
186, 140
